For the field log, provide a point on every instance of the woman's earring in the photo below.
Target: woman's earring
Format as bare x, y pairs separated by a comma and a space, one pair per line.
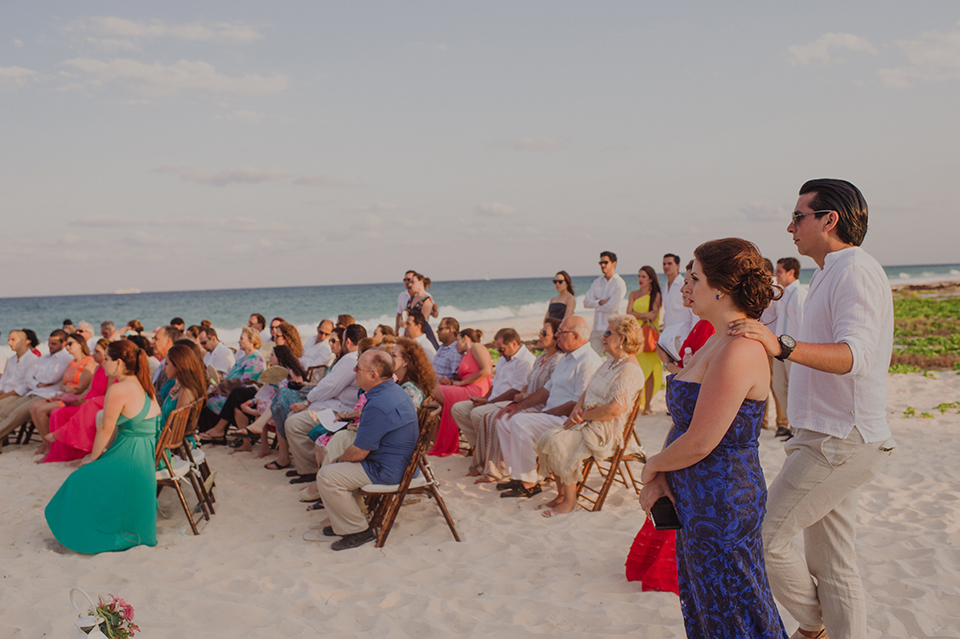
718, 295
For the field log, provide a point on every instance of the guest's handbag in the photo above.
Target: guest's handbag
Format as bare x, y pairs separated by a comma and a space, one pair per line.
650, 338
664, 515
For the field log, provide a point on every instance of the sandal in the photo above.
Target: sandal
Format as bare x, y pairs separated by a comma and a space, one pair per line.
522, 491
317, 505
210, 439
275, 466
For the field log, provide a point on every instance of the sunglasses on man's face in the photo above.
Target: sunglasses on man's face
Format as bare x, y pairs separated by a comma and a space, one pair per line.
604, 262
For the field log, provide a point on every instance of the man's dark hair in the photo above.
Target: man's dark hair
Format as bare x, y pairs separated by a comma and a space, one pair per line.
507, 335
846, 200
211, 332
171, 332
767, 266
417, 319
674, 257
31, 337
790, 264
142, 343
355, 333
177, 321
610, 255
260, 319
59, 333
68, 322
193, 331
452, 323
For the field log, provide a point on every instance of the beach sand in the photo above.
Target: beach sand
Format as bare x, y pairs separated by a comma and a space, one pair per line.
250, 573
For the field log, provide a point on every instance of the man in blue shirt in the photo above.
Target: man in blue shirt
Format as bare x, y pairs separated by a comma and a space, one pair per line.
386, 438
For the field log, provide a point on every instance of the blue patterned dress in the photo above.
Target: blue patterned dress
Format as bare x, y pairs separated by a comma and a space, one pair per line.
721, 501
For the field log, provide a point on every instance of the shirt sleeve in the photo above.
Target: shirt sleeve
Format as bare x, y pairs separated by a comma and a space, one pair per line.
590, 299
332, 385
860, 301
613, 303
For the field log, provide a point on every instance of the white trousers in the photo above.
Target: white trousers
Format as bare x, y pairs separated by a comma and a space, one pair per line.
517, 435
468, 417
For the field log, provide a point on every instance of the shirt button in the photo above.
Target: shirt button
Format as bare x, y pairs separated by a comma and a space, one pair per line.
852, 413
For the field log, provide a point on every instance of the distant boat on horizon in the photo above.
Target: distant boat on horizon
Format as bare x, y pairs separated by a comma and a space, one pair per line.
126, 291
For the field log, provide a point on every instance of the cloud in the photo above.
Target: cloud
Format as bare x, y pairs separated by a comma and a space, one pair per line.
15, 76
536, 144
236, 225
765, 212
819, 51
110, 28
323, 180
379, 206
239, 115
934, 57
362, 227
18, 43
495, 210
425, 46
154, 80
243, 175
107, 221
411, 224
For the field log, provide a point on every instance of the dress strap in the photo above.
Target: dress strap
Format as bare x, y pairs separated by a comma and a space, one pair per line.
146, 407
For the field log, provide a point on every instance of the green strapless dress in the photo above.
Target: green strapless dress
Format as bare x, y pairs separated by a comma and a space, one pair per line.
111, 504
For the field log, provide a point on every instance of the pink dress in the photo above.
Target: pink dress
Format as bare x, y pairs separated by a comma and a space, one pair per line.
448, 434
76, 426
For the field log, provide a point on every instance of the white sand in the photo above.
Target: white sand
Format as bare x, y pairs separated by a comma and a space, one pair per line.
250, 574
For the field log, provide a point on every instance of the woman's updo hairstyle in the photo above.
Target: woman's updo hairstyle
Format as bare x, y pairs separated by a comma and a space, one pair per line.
475, 334
734, 267
135, 359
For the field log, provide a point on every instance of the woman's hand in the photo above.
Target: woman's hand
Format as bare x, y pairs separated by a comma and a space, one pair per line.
444, 381
653, 491
647, 473
299, 406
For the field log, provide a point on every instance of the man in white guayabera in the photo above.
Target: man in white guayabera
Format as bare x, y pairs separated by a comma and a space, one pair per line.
605, 297
837, 404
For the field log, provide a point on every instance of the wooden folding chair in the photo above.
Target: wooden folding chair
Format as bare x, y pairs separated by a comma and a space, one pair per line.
173, 469
387, 499
315, 374
198, 458
616, 463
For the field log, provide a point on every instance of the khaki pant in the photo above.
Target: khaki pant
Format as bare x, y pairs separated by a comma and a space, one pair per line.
468, 417
779, 383
298, 426
817, 493
338, 485
774, 401
16, 413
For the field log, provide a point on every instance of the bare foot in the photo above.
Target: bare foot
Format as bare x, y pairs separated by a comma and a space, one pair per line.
473, 472
647, 411
485, 479
553, 503
50, 437
562, 508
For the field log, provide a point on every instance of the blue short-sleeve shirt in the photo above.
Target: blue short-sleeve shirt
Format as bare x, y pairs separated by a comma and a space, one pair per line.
388, 429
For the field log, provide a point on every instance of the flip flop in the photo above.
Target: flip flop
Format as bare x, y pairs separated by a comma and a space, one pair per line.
275, 466
317, 505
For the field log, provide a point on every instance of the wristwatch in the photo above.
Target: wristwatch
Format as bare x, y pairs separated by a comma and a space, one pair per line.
787, 344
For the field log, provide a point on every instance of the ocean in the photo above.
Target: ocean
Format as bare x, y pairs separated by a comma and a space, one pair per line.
371, 304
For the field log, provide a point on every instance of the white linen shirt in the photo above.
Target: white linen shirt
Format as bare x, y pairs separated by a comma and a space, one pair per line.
221, 358
18, 373
428, 348
512, 374
791, 309
402, 302
338, 390
849, 302
317, 354
612, 290
571, 376
49, 370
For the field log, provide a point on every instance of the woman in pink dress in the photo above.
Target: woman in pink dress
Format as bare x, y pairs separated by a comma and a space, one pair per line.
475, 372
73, 427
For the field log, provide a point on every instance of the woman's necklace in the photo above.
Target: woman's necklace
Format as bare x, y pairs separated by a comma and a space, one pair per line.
619, 361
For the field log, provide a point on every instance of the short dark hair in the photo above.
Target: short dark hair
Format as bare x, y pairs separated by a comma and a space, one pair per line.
844, 198
31, 337
261, 320
211, 332
507, 335
417, 319
68, 322
59, 333
790, 264
178, 321
609, 254
452, 323
674, 257
554, 324
354, 333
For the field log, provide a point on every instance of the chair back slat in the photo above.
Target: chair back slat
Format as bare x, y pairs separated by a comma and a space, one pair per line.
173, 431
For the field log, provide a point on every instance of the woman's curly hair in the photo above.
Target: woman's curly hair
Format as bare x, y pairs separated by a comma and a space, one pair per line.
735, 267
419, 369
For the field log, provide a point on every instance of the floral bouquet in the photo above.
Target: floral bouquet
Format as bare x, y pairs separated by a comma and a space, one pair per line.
117, 617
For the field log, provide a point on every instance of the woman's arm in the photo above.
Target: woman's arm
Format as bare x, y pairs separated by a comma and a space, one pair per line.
112, 405
482, 356
85, 378
652, 314
571, 307
427, 309
630, 300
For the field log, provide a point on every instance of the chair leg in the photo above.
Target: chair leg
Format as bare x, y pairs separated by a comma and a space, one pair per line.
393, 507
183, 501
587, 467
201, 501
611, 473
443, 508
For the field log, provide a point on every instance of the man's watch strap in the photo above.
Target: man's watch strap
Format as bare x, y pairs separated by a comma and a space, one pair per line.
787, 344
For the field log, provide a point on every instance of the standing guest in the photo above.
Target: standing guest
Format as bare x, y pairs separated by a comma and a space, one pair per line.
519, 430
46, 375
317, 351
68, 326
152, 359
709, 466
386, 440
108, 330
72, 428
677, 319
473, 380
288, 335
769, 319
606, 296
563, 304
414, 328
75, 383
337, 391
121, 471
788, 323
510, 377
596, 424
133, 327
644, 305
488, 463
422, 304
403, 298
446, 361
178, 323
701, 332
246, 369
163, 342
382, 330
218, 355
837, 403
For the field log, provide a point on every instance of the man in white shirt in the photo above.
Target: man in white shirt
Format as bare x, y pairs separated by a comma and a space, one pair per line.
317, 352
789, 318
837, 404
769, 319
19, 371
606, 296
404, 297
219, 356
108, 330
414, 329
519, 431
513, 368
337, 391
678, 320
47, 375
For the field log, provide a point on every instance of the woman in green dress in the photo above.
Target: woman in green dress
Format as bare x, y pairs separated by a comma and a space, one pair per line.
110, 503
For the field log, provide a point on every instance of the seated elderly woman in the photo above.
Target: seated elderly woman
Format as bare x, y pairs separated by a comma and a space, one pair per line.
250, 363
595, 427
76, 380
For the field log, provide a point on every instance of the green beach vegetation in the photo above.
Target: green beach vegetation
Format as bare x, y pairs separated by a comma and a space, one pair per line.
926, 333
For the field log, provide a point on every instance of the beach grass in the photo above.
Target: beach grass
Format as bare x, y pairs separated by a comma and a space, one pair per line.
926, 332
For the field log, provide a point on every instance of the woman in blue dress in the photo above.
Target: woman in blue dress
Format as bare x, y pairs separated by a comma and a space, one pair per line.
709, 466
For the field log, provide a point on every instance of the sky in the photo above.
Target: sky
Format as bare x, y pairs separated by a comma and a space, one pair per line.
175, 145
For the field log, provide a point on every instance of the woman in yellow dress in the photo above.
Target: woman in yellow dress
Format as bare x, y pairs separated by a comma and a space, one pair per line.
644, 304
